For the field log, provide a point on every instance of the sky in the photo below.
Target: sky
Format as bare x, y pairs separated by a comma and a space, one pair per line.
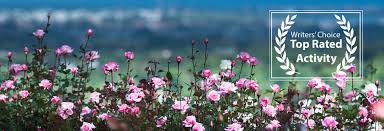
197, 4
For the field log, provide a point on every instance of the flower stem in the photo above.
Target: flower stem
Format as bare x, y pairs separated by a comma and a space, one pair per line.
206, 55
241, 69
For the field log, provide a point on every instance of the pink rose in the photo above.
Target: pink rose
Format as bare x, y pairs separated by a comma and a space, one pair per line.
198, 127
110, 67
213, 96
189, 121
275, 88
135, 96
65, 50
178, 59
124, 108
313, 83
325, 88
252, 85
135, 111
363, 112
160, 122
24, 66
180, 106
58, 52
306, 112
310, 123
16, 69
95, 97
325, 99
280, 107
158, 82
85, 111
341, 84
227, 87
45, 84
351, 68
269, 110
234, 127
74, 70
370, 90
264, 101
227, 74
206, 73
87, 126
104, 116
243, 56
275, 123
269, 127
3, 97
241, 82
329, 122
8, 84
39, 33
340, 75
24, 94
92, 55
129, 55
55, 99
65, 109
252, 61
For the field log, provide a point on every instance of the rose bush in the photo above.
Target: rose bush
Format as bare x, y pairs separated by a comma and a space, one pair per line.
39, 95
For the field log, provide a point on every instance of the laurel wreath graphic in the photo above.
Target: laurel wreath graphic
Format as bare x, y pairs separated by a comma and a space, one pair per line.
351, 40
280, 48
283, 31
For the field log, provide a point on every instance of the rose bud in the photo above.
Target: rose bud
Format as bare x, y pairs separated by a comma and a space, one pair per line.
178, 59
25, 67
206, 73
193, 42
377, 83
28, 77
206, 41
233, 63
26, 50
89, 33
9, 54
350, 68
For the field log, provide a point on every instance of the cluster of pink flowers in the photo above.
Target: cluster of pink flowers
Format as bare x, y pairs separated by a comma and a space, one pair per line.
246, 57
135, 95
190, 121
8, 84
249, 84
124, 108
181, 105
210, 100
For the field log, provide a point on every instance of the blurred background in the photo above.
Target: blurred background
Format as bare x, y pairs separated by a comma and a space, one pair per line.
162, 29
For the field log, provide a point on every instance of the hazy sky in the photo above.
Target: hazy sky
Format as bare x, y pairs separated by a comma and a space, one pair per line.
198, 4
